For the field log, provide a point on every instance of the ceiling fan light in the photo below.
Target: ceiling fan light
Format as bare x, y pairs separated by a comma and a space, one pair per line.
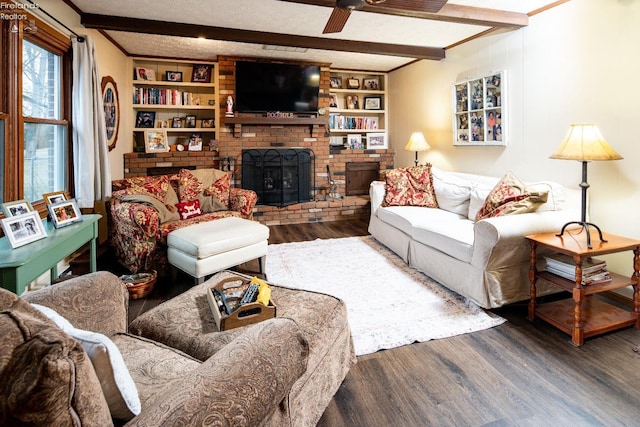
349, 4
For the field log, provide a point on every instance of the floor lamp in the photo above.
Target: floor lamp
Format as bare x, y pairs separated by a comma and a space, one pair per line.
584, 143
417, 143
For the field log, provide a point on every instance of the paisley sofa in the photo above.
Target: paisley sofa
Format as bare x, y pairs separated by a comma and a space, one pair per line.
144, 210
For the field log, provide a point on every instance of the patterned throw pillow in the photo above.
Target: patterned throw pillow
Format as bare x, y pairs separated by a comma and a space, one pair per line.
188, 186
219, 190
209, 186
509, 197
412, 186
157, 186
189, 209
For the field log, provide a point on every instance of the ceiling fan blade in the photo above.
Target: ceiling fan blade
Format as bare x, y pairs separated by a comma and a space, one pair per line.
336, 21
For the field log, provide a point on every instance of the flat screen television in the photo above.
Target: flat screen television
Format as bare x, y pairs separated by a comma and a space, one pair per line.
270, 87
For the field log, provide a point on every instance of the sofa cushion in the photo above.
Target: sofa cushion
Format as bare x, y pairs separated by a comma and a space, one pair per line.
209, 186
166, 212
452, 193
157, 186
117, 385
511, 196
45, 376
412, 186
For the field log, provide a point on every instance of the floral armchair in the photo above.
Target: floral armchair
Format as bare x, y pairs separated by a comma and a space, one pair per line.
144, 210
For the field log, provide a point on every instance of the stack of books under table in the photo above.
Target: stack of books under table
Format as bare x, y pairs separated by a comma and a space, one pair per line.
594, 270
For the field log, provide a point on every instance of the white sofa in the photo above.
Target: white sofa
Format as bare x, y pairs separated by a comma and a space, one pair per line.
486, 261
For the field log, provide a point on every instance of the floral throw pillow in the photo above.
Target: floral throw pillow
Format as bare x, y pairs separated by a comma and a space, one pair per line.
189, 209
156, 186
219, 190
188, 186
509, 197
412, 186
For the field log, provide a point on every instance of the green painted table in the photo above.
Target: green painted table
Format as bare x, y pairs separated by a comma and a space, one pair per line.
21, 266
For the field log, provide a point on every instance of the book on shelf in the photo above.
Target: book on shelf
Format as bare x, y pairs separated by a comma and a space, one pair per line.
567, 264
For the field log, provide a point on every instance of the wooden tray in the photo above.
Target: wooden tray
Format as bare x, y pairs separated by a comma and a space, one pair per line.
246, 314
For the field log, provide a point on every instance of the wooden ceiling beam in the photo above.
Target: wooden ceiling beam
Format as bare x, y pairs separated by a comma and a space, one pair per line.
146, 26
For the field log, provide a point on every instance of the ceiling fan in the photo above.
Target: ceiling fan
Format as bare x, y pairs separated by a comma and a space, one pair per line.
343, 9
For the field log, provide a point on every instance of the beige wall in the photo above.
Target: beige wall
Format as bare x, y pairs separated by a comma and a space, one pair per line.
111, 62
575, 63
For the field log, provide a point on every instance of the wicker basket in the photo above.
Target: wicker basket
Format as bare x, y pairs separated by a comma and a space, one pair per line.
141, 284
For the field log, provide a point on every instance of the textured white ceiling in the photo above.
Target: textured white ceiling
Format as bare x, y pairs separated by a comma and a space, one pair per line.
274, 16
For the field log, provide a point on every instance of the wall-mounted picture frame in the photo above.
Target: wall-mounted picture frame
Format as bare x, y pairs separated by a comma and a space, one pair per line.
195, 142
208, 123
372, 102
371, 83
145, 119
480, 111
335, 82
155, 141
111, 105
190, 121
176, 122
145, 74
55, 197
173, 76
64, 213
201, 73
23, 229
17, 207
354, 141
353, 83
377, 141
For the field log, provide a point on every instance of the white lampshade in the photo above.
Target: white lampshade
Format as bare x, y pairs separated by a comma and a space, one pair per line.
417, 143
584, 143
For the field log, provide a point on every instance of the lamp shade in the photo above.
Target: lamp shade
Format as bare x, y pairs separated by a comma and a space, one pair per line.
417, 143
584, 143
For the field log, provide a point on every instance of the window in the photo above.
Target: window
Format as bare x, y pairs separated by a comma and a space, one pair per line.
34, 111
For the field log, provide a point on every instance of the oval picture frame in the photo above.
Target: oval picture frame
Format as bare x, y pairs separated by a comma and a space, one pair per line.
111, 105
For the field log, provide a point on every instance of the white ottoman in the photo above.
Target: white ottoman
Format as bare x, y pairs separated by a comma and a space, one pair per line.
208, 247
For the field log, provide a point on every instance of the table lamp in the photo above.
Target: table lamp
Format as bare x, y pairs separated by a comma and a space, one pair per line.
584, 143
417, 143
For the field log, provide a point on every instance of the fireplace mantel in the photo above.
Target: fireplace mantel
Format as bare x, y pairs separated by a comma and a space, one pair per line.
237, 122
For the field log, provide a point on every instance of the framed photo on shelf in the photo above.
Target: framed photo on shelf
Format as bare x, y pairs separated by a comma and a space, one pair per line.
354, 141
176, 122
145, 119
195, 142
190, 121
55, 197
17, 207
201, 73
377, 141
351, 102
353, 83
145, 74
64, 213
372, 83
208, 123
173, 76
155, 141
372, 102
335, 82
23, 229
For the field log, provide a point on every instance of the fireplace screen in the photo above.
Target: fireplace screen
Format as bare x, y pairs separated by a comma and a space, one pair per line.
280, 177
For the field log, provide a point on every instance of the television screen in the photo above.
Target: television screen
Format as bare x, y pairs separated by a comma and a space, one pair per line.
268, 86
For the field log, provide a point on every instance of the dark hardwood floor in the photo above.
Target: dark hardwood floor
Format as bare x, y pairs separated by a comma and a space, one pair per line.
520, 373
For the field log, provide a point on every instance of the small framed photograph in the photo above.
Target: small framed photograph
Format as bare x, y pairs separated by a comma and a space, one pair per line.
174, 76
333, 101
145, 119
17, 207
190, 121
372, 83
372, 102
195, 142
208, 123
335, 82
55, 197
155, 141
176, 122
377, 141
64, 213
355, 141
201, 73
23, 229
145, 74
353, 83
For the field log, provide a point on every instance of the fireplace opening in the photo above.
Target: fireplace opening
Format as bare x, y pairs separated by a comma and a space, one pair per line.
280, 177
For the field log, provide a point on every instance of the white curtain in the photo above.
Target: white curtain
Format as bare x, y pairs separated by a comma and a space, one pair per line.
90, 151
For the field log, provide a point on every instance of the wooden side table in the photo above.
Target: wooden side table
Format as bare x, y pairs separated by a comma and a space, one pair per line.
583, 316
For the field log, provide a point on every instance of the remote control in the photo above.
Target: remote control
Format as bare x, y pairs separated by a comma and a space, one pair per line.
249, 294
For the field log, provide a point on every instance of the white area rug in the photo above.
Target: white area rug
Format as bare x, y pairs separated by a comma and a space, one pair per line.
388, 303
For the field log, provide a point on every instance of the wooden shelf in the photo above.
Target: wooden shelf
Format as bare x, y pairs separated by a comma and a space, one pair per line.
237, 122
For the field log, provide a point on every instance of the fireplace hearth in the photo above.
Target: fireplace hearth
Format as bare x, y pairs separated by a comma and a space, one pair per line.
280, 176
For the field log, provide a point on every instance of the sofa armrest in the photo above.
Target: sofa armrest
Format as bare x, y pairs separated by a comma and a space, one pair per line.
243, 201
497, 238
242, 384
97, 302
136, 216
376, 191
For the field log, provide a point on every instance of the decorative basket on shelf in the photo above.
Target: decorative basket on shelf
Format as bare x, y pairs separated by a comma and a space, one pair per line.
140, 284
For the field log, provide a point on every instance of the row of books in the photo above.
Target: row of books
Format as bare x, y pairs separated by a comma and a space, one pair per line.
594, 271
162, 96
336, 121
